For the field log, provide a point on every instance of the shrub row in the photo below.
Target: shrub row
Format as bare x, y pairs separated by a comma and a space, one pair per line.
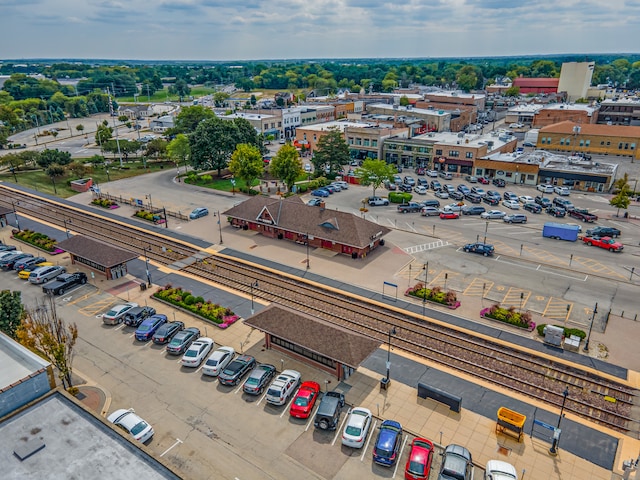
36, 239
221, 316
567, 331
400, 197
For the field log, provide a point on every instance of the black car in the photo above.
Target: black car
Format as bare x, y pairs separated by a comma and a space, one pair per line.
474, 210
9, 261
473, 197
258, 379
532, 207
544, 202
556, 211
456, 195
237, 369
182, 340
405, 188
498, 182
601, 231
7, 248
64, 282
136, 315
430, 203
166, 332
435, 185
424, 182
490, 200
479, 247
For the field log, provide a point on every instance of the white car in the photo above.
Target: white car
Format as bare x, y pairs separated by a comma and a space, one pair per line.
420, 190
132, 424
493, 214
524, 199
196, 352
342, 184
377, 201
116, 314
564, 191
442, 194
432, 173
545, 188
512, 204
217, 361
499, 470
307, 167
453, 207
357, 427
283, 387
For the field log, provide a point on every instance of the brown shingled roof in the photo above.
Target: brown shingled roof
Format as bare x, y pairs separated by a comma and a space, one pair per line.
319, 336
292, 214
96, 251
593, 129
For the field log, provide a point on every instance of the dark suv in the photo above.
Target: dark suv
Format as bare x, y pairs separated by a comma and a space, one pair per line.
556, 211
473, 210
328, 414
498, 182
479, 247
601, 231
136, 315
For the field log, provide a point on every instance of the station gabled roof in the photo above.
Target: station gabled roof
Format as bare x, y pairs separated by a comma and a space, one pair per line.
293, 215
96, 251
314, 334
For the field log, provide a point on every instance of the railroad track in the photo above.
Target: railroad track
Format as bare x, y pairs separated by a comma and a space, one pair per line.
597, 398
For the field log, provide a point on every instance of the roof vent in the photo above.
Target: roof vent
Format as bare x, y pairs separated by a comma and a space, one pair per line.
30, 447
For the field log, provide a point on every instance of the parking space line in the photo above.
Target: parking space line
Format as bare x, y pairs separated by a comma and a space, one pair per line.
84, 297
235, 392
288, 404
366, 446
477, 287
558, 309
311, 415
178, 442
338, 430
404, 443
516, 296
262, 398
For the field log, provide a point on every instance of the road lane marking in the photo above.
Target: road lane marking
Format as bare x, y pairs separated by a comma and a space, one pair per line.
366, 446
177, 442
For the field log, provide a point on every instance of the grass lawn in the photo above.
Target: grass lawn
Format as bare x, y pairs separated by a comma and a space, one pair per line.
164, 95
224, 184
39, 181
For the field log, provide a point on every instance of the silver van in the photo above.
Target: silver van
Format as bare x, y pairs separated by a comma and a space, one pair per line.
44, 274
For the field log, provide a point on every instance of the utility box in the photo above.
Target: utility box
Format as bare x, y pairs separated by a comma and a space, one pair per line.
553, 335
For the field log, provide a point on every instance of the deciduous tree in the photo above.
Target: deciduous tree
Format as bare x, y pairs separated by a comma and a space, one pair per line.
178, 149
374, 173
11, 312
332, 153
285, 165
246, 163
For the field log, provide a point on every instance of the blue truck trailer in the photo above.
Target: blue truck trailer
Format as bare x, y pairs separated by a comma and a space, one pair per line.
561, 231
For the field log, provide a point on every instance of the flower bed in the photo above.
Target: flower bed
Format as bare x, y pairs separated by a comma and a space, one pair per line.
221, 316
149, 216
510, 316
104, 203
434, 295
38, 240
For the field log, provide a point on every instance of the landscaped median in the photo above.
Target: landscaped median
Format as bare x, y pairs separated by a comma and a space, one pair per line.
510, 316
434, 295
205, 309
38, 240
105, 203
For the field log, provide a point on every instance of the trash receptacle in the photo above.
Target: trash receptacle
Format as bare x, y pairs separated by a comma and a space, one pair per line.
143, 287
384, 383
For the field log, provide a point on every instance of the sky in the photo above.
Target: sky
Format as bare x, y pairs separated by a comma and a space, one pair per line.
299, 29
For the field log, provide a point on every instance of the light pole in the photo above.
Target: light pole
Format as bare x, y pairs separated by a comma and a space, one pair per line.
146, 259
521, 299
425, 267
392, 331
556, 434
219, 227
308, 264
593, 316
148, 197
253, 285
15, 214
166, 221
108, 177
66, 230
486, 228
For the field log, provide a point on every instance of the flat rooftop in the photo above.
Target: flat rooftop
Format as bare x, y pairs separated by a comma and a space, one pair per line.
17, 362
76, 445
398, 109
340, 125
467, 139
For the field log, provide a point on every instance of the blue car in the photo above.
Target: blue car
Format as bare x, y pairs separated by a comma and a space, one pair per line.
320, 192
385, 451
149, 326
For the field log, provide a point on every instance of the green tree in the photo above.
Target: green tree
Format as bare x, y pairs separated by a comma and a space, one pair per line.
332, 152
467, 78
103, 134
180, 88
285, 165
54, 171
374, 173
42, 330
80, 128
50, 157
128, 147
178, 149
404, 101
219, 98
156, 148
621, 200
11, 312
512, 92
190, 117
246, 163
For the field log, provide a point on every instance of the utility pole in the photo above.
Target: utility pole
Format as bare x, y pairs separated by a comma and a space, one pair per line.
115, 127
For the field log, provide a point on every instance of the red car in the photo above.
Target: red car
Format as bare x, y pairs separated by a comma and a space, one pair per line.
305, 399
419, 461
449, 215
484, 180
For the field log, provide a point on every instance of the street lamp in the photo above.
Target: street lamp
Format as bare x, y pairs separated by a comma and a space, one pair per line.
486, 227
219, 226
253, 285
556, 434
15, 214
148, 197
64, 220
593, 316
308, 264
108, 177
425, 267
521, 299
392, 331
146, 259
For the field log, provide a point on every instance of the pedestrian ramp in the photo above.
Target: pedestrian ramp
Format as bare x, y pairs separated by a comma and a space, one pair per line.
425, 246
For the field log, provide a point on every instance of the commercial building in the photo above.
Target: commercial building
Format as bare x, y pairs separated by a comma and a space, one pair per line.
266, 124
523, 114
434, 120
561, 112
575, 79
620, 111
366, 142
591, 138
309, 135
536, 85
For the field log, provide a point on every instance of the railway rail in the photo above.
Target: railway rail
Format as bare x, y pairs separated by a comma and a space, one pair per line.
597, 398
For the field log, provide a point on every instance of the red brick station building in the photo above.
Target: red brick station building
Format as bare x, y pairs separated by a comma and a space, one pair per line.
291, 219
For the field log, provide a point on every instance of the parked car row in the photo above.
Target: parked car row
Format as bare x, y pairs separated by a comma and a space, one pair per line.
330, 189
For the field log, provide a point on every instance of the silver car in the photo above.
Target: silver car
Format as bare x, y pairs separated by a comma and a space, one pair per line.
44, 274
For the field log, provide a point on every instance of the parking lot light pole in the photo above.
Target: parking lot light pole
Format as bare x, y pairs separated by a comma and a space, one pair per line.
148, 197
425, 267
593, 316
392, 331
66, 230
146, 258
15, 214
253, 285
308, 264
486, 228
556, 434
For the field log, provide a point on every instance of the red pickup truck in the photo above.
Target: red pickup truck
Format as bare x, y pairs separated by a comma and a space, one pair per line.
603, 242
582, 214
